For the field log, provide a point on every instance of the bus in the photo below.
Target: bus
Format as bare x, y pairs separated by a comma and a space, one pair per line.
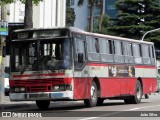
66, 64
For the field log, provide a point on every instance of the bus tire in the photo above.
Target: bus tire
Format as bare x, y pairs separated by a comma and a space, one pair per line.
138, 93
42, 104
146, 96
100, 101
92, 101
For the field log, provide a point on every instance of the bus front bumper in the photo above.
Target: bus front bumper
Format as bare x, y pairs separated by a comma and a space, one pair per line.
65, 95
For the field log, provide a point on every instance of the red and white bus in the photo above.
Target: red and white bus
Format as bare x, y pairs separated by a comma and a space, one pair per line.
71, 64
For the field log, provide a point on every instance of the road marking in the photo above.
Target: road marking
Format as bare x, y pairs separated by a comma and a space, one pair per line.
142, 108
105, 115
89, 118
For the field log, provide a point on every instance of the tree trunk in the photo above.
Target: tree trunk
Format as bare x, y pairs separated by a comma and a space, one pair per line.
101, 16
28, 22
91, 16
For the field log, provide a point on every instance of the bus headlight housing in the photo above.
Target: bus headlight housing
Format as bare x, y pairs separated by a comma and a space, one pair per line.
19, 89
61, 87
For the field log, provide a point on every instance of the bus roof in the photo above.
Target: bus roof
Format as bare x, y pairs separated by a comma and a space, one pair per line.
73, 29
77, 30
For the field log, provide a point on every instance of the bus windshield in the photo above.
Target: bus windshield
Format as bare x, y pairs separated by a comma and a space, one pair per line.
50, 54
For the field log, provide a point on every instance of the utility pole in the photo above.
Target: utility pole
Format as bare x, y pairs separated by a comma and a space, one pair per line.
2, 43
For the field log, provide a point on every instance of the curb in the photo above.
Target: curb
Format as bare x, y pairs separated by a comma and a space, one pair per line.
4, 107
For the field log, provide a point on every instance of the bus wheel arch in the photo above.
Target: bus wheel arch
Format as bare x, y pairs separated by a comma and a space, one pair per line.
138, 92
94, 93
140, 80
96, 80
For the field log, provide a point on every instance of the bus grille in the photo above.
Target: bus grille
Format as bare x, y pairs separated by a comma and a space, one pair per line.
44, 85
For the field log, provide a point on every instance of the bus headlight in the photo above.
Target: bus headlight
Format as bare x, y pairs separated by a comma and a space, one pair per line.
16, 89
22, 89
56, 87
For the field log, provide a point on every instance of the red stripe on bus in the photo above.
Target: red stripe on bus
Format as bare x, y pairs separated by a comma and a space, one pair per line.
31, 75
153, 67
97, 64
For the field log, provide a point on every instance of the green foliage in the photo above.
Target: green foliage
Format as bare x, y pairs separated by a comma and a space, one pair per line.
70, 16
136, 17
106, 23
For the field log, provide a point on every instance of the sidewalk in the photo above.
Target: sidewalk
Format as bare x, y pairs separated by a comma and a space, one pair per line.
6, 104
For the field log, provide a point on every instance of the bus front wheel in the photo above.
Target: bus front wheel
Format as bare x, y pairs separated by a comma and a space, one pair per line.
92, 101
42, 104
138, 93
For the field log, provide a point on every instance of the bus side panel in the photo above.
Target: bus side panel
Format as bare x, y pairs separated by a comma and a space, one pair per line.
112, 87
149, 85
109, 87
82, 88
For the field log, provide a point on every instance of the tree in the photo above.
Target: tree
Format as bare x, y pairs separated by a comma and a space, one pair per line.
28, 22
102, 15
105, 25
91, 2
135, 17
70, 14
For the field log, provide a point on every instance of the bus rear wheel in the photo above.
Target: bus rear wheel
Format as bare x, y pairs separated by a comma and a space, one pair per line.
146, 96
138, 93
42, 104
92, 101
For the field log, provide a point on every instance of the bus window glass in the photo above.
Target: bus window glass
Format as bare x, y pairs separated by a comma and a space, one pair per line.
136, 50
137, 53
104, 46
105, 53
118, 57
79, 48
145, 51
130, 49
93, 48
146, 54
152, 57
118, 49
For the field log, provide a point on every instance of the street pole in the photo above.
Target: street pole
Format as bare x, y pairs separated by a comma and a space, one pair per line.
1, 70
2, 41
149, 32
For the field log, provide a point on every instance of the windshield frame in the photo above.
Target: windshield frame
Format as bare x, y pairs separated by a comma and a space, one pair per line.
38, 42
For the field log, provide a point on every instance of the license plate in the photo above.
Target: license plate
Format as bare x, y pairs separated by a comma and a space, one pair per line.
57, 95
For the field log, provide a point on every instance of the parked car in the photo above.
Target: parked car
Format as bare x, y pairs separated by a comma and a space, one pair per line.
158, 84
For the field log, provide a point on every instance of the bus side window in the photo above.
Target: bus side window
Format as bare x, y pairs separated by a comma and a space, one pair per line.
129, 53
137, 53
105, 50
152, 53
146, 54
118, 56
93, 48
79, 48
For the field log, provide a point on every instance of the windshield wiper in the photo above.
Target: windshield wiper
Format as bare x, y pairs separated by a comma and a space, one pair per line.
24, 69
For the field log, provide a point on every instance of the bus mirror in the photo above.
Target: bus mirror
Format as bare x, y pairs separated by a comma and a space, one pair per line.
80, 57
7, 70
4, 51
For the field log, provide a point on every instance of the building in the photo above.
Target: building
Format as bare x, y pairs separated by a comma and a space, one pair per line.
82, 12
49, 13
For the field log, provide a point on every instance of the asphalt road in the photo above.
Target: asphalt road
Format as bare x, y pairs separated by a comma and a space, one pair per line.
148, 109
